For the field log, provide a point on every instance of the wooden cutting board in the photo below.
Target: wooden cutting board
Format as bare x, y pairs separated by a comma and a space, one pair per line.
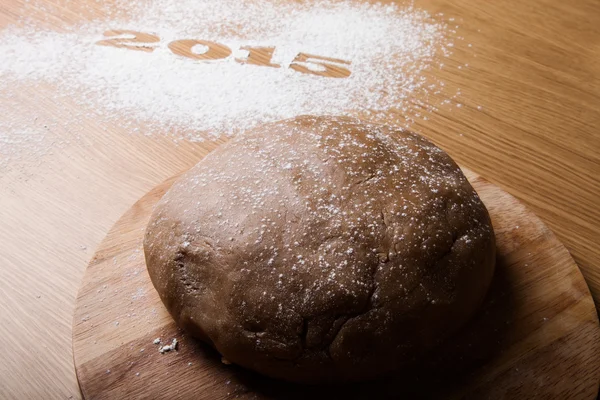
537, 335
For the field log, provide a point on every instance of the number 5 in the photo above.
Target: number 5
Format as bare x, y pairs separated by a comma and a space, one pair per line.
306, 64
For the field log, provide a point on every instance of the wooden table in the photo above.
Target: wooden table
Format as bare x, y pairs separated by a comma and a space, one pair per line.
536, 77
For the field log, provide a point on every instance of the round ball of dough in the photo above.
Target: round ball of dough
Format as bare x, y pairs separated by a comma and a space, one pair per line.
322, 249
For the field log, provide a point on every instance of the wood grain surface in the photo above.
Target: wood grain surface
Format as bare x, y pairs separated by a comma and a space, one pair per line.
533, 68
536, 337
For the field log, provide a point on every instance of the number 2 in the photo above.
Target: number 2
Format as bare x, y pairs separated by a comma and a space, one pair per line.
130, 40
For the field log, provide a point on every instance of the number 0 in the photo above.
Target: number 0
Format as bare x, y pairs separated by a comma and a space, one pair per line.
212, 51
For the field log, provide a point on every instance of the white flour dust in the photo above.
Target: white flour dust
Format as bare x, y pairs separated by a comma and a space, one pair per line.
389, 48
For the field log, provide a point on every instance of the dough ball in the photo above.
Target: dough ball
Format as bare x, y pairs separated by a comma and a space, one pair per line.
322, 249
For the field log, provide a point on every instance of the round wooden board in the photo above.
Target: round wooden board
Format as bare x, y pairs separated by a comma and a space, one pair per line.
537, 335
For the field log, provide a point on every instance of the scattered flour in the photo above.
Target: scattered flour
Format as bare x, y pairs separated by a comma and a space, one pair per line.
168, 347
389, 47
